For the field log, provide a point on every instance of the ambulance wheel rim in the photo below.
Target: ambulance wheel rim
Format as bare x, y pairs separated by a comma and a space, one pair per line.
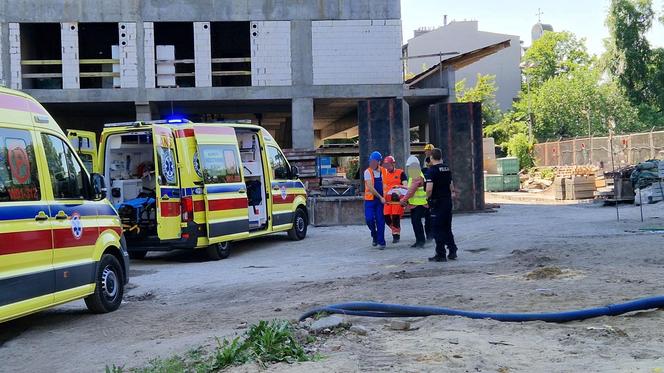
223, 246
299, 224
109, 283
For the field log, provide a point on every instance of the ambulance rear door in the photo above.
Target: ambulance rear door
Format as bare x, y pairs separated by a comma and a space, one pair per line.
167, 190
226, 206
85, 145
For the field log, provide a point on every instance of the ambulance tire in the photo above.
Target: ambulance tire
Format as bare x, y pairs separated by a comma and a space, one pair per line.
137, 254
109, 286
219, 251
300, 223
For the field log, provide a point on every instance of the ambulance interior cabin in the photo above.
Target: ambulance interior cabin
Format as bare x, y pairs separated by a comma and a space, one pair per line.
254, 177
129, 169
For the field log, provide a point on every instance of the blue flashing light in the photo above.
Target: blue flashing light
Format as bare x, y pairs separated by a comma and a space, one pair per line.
176, 120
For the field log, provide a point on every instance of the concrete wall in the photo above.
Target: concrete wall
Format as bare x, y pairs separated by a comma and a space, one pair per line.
199, 10
464, 37
357, 52
271, 53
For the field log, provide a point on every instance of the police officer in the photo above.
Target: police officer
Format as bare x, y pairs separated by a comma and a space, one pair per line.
439, 189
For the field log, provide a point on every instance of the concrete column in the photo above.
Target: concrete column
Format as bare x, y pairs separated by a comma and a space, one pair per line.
383, 127
143, 111
303, 123
128, 55
15, 81
301, 54
148, 53
3, 52
70, 56
202, 54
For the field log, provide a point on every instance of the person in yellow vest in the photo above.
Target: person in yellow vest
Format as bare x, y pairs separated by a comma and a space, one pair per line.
374, 200
393, 179
416, 199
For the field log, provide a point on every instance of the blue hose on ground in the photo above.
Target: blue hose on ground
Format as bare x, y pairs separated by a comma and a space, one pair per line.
371, 309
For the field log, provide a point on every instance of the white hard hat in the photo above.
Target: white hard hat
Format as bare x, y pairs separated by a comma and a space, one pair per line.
412, 161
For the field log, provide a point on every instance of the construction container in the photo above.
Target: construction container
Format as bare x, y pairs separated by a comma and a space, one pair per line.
580, 187
507, 166
511, 183
493, 183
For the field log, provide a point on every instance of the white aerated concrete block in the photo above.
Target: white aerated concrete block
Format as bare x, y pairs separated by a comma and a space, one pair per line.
165, 66
148, 48
356, 52
128, 55
70, 56
270, 53
15, 56
202, 54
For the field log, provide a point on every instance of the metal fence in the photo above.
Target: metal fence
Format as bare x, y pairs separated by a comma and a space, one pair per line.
627, 149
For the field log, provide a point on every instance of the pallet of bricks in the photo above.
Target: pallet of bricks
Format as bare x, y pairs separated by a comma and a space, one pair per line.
575, 182
507, 177
305, 160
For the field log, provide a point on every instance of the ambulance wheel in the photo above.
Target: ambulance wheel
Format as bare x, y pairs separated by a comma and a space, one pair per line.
300, 223
137, 254
109, 287
219, 251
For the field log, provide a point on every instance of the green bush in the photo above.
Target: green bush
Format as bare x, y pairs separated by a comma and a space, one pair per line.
521, 147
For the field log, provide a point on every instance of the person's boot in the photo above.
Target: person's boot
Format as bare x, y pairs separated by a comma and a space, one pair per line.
437, 259
374, 243
396, 238
417, 245
453, 253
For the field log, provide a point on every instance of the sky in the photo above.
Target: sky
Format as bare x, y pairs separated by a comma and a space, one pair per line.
585, 18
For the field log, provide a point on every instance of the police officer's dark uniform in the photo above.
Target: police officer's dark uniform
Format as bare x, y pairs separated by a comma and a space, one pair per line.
441, 205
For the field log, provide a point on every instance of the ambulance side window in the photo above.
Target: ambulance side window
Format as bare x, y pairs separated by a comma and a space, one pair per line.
66, 173
18, 170
220, 164
167, 166
278, 163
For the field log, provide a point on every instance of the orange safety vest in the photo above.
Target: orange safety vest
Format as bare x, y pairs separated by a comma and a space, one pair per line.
368, 196
391, 179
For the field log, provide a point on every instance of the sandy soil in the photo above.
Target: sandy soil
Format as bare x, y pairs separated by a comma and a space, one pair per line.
520, 258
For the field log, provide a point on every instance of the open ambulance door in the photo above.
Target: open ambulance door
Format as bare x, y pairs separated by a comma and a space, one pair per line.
167, 191
226, 206
85, 144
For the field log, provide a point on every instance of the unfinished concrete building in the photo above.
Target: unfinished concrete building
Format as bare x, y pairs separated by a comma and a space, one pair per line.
299, 68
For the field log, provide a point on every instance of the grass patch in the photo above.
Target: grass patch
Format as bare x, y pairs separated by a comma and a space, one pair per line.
263, 343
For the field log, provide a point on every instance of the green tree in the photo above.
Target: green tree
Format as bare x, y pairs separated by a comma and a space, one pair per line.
638, 68
554, 54
484, 91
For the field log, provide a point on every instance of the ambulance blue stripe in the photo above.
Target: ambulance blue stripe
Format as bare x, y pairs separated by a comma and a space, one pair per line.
171, 192
227, 188
21, 212
288, 184
30, 211
197, 191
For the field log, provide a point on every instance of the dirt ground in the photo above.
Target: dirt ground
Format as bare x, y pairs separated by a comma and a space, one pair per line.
522, 258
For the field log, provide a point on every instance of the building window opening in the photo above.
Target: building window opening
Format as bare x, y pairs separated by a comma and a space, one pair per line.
41, 56
174, 44
99, 55
231, 54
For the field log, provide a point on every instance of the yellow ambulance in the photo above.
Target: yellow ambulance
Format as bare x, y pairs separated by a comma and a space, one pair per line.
60, 238
183, 185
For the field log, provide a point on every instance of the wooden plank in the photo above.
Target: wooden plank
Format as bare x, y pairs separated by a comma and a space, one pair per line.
230, 73
99, 61
184, 61
41, 75
105, 74
40, 62
231, 60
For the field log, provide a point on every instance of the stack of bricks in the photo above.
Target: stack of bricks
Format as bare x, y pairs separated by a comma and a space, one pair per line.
70, 57
357, 52
148, 50
15, 56
128, 55
305, 160
202, 54
270, 53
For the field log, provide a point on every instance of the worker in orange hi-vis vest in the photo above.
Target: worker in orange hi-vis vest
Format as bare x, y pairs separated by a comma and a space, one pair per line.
395, 181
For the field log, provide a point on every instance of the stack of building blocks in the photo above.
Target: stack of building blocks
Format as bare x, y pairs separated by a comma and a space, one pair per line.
580, 187
489, 156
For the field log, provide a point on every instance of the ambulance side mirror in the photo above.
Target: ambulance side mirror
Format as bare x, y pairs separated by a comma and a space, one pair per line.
295, 172
99, 186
